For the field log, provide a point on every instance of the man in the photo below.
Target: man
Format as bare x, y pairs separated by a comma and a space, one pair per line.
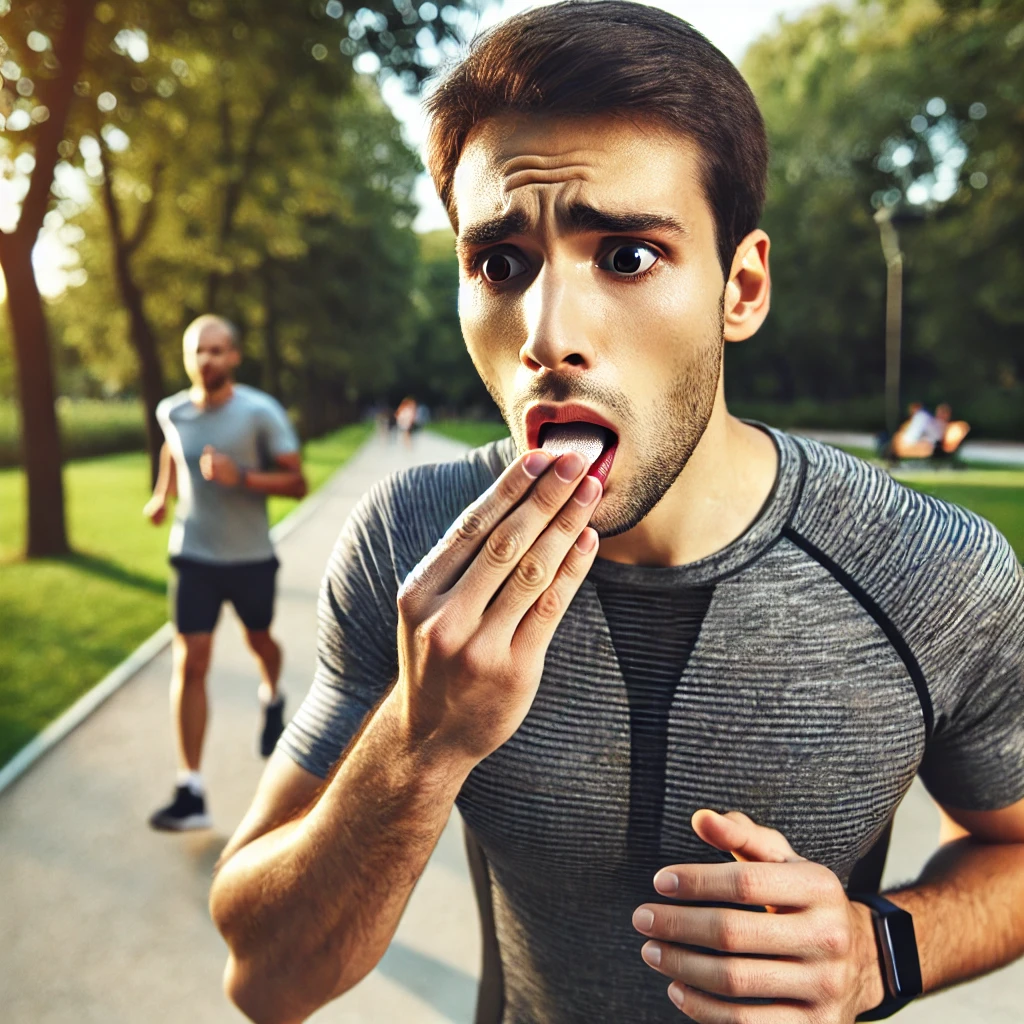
773, 630
227, 446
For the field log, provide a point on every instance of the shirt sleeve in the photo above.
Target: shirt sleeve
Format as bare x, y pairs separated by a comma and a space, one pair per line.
357, 657
975, 760
279, 437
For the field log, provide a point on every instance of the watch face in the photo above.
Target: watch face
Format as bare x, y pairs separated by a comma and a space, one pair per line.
902, 968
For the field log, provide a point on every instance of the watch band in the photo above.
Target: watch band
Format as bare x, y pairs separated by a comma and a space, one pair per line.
897, 954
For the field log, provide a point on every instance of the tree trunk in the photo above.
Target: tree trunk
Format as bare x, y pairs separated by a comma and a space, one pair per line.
40, 435
271, 346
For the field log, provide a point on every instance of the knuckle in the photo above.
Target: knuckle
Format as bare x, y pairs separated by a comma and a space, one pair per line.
547, 500
470, 526
566, 525
730, 934
733, 979
744, 887
834, 943
830, 985
530, 572
548, 606
508, 489
501, 547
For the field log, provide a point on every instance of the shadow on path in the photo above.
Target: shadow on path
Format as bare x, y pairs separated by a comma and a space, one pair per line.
450, 991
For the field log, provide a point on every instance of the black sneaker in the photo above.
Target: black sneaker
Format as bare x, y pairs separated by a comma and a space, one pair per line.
186, 811
273, 726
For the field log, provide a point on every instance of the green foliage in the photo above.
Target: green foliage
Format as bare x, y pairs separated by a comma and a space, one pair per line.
872, 104
437, 368
67, 622
475, 433
89, 427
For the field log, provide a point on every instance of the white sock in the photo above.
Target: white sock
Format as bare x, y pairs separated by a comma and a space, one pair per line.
194, 781
267, 696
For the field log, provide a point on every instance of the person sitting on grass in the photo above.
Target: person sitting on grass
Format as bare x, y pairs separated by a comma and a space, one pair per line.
926, 436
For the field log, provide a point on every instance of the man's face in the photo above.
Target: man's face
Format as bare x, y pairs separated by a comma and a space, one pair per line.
210, 357
590, 277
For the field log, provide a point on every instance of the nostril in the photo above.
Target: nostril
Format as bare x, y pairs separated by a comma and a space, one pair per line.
575, 359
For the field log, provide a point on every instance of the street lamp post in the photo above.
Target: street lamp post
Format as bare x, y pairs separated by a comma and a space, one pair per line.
893, 314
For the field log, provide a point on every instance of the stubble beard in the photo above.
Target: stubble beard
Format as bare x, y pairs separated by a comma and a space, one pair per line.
664, 444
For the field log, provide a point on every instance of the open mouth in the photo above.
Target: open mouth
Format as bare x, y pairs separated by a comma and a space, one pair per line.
595, 443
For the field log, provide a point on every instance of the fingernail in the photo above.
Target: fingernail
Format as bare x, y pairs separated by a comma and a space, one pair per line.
588, 490
587, 542
676, 993
643, 919
536, 463
651, 952
666, 882
569, 466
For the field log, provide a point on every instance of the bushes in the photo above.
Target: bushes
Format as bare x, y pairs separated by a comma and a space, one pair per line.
88, 427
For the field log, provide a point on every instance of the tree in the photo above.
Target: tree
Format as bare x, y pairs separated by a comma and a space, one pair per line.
55, 65
911, 104
69, 63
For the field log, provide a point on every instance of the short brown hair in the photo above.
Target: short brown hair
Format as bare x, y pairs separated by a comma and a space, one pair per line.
583, 57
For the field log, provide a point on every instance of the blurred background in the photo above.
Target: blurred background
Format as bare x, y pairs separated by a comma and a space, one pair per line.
261, 159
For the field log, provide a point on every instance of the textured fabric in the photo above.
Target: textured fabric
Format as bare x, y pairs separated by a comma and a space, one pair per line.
214, 523
805, 660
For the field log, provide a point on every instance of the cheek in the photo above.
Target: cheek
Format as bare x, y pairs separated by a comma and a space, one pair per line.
492, 329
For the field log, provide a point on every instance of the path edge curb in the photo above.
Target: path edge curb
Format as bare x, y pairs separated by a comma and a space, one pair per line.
98, 694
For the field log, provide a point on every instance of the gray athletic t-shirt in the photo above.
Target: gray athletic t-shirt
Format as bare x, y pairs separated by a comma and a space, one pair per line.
856, 635
214, 523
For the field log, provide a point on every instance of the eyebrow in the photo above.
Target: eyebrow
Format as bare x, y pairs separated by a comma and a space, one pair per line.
576, 219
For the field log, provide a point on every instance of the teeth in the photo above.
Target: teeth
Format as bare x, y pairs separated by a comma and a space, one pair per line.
586, 438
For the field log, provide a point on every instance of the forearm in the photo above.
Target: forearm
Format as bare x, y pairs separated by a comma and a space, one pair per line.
308, 909
968, 909
283, 483
165, 486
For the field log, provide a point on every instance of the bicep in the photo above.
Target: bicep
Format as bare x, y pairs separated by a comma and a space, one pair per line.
1005, 825
285, 791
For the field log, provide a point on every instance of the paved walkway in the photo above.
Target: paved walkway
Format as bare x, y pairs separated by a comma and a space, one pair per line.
105, 921
998, 453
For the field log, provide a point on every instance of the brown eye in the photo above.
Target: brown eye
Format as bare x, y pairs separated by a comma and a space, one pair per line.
501, 267
629, 260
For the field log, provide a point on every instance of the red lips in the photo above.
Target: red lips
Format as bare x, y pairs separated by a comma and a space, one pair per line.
538, 415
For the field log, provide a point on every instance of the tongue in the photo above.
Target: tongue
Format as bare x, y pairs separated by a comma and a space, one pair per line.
586, 438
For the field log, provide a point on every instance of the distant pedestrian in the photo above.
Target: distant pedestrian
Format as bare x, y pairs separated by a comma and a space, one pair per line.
405, 418
227, 446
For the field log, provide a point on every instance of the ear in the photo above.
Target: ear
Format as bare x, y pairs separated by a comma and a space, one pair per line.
749, 288
235, 358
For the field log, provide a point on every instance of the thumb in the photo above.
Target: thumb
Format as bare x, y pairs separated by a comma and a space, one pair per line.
735, 833
209, 450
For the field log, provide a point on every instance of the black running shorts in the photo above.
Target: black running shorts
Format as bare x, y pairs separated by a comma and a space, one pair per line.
197, 590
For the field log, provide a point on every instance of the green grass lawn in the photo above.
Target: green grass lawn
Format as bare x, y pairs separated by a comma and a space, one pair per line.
69, 621
995, 494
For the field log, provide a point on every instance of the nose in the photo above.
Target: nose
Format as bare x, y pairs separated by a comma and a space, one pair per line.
556, 322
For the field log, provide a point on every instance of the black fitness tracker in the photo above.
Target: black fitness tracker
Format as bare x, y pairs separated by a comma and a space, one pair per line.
897, 954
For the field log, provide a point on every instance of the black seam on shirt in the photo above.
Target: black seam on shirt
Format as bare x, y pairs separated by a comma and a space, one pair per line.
900, 645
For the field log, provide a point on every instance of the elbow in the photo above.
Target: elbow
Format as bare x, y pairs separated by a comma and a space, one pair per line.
286, 990
255, 995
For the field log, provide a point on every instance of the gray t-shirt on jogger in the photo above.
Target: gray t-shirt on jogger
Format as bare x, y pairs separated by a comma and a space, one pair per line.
214, 523
856, 635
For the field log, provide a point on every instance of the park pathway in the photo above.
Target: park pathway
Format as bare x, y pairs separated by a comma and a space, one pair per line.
105, 921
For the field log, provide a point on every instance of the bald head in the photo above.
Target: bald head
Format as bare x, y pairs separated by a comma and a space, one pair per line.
211, 352
209, 325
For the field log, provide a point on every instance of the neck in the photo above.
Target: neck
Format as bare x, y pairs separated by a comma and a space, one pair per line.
210, 397
712, 502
